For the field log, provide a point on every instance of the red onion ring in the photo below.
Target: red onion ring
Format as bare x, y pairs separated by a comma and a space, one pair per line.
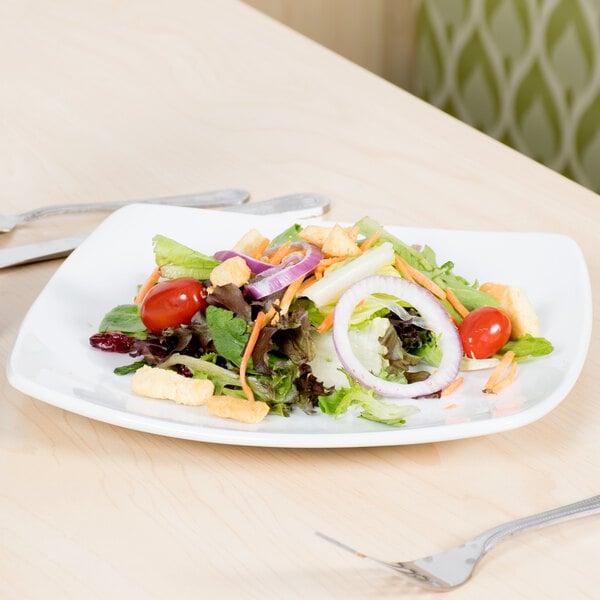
280, 276
256, 266
431, 311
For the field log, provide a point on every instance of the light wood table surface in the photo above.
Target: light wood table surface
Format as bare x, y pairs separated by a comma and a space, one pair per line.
114, 100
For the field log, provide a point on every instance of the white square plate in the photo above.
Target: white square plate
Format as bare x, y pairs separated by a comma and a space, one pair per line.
53, 361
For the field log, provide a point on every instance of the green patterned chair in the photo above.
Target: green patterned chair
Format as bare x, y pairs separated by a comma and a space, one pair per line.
526, 72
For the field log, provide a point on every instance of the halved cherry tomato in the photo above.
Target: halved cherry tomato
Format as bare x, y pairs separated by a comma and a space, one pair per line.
484, 331
172, 303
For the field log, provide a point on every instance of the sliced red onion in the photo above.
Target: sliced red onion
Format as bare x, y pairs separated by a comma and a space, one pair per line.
278, 277
290, 259
256, 266
438, 321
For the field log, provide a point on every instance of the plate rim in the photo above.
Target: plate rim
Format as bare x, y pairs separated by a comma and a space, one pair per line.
343, 439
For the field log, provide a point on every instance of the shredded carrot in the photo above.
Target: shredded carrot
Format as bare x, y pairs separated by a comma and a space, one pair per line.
494, 377
505, 381
325, 263
306, 284
258, 323
326, 324
280, 253
264, 244
288, 297
425, 282
450, 406
272, 312
452, 387
148, 285
456, 304
402, 266
290, 294
369, 241
500, 368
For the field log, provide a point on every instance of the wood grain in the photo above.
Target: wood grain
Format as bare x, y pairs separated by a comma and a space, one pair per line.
375, 34
106, 100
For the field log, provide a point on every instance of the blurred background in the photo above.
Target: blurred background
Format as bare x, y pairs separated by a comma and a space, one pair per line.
526, 72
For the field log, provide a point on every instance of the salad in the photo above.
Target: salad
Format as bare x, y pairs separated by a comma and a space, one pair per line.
337, 320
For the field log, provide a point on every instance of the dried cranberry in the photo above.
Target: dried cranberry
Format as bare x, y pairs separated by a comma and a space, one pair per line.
185, 371
112, 341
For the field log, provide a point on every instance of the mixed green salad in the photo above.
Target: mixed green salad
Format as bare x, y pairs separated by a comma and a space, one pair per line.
329, 319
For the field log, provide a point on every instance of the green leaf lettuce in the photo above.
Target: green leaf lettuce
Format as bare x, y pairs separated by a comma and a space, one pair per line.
373, 409
176, 260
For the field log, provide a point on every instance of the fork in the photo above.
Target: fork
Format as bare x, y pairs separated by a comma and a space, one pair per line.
205, 199
450, 569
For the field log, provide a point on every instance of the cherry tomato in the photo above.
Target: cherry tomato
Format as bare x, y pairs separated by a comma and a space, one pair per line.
171, 303
484, 331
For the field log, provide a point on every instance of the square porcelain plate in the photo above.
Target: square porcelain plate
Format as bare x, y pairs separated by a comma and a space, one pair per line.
53, 362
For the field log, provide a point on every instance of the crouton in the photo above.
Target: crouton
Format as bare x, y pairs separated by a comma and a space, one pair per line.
353, 232
316, 235
339, 243
233, 270
163, 384
239, 409
515, 303
249, 242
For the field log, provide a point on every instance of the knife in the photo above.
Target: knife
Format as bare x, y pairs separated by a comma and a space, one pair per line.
300, 206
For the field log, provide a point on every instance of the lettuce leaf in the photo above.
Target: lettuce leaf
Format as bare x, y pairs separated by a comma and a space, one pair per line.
226, 381
366, 345
528, 346
425, 260
288, 235
126, 319
229, 333
279, 390
373, 409
176, 260
132, 368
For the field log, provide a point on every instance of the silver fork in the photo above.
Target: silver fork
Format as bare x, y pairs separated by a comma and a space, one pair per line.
228, 197
449, 569
297, 206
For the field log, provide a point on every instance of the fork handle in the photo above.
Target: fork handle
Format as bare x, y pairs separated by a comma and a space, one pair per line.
227, 197
583, 508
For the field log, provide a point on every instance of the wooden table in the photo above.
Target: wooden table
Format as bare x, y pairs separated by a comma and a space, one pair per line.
117, 100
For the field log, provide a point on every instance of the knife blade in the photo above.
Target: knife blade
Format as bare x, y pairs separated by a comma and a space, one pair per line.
300, 206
